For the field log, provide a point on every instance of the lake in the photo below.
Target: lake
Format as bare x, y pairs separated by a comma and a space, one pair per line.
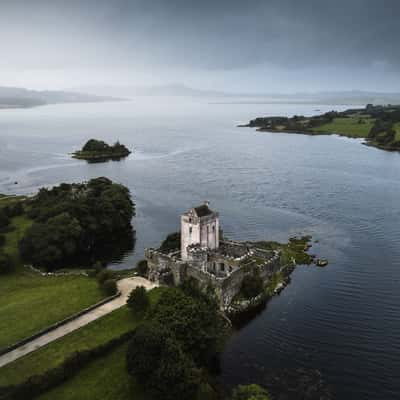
343, 319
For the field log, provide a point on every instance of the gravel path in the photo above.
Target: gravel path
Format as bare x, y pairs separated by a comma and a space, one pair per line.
125, 286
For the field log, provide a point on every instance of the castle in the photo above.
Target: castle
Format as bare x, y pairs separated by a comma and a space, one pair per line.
204, 256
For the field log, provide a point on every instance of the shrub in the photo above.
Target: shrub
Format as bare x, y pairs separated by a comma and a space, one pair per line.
2, 240
142, 268
172, 242
104, 275
6, 263
110, 287
138, 300
250, 392
252, 286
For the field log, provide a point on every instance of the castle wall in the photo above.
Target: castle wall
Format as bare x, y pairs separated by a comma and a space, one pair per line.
226, 288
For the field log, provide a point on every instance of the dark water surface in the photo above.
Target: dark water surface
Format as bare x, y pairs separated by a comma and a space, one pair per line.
344, 319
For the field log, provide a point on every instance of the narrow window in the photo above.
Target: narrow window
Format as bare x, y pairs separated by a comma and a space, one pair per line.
190, 230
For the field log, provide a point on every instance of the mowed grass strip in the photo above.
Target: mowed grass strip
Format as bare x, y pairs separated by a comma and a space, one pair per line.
347, 127
96, 333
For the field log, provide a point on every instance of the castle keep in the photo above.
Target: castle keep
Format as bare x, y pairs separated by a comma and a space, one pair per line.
211, 261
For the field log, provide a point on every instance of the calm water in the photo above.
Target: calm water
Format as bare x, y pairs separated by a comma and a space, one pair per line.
344, 319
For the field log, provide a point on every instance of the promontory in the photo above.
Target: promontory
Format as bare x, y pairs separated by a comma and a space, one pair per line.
378, 125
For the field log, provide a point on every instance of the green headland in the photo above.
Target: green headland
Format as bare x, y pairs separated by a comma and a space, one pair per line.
378, 125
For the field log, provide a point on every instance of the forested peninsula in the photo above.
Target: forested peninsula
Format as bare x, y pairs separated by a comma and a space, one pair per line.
69, 225
378, 125
99, 151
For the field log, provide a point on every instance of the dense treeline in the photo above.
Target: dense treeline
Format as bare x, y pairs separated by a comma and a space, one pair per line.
76, 223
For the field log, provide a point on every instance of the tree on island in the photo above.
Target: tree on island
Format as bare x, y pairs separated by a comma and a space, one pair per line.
98, 150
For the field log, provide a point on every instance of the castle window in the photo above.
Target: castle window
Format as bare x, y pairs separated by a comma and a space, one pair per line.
222, 267
190, 220
190, 230
213, 228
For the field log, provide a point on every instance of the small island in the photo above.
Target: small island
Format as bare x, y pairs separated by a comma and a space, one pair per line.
99, 151
378, 125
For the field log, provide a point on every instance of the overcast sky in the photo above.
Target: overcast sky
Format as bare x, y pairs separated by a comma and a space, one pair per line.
246, 46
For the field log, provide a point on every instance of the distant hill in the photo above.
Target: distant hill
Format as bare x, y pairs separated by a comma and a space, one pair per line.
356, 97
11, 97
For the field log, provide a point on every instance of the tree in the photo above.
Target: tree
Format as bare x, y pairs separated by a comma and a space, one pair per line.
110, 287
250, 392
6, 263
138, 300
104, 275
252, 286
142, 268
172, 242
196, 324
75, 224
156, 359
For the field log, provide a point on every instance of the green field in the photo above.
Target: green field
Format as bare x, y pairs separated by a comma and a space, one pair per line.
30, 302
347, 127
96, 333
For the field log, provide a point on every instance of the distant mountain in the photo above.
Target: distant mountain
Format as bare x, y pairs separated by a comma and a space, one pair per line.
174, 89
11, 97
355, 97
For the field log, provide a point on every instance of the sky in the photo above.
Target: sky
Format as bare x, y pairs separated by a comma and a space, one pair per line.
269, 46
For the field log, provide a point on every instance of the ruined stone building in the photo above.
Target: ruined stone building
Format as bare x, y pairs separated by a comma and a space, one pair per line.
211, 261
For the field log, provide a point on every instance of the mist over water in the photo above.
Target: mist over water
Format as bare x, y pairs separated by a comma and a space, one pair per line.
344, 319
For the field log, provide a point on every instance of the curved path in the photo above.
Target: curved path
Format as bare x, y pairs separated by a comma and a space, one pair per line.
125, 286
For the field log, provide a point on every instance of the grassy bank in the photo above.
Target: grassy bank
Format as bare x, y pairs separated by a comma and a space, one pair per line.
96, 333
350, 127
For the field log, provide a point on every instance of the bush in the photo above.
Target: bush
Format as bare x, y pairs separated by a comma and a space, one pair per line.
250, 392
6, 263
110, 287
138, 300
252, 286
104, 275
142, 268
2, 240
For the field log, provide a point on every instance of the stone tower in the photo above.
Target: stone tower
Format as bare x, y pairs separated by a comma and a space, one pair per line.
200, 227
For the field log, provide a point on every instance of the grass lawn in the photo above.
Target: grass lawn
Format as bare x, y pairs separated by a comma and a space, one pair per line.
20, 225
347, 127
92, 335
397, 129
30, 302
105, 378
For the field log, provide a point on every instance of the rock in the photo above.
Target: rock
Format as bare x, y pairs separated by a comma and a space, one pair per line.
321, 262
